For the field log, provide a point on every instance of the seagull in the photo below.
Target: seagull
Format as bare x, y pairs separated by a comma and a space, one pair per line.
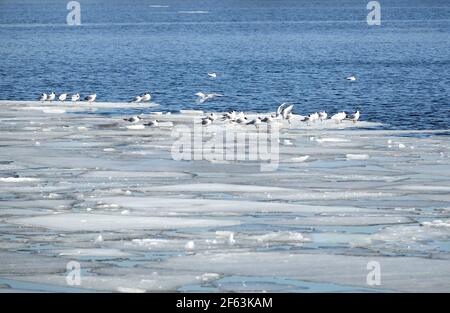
137, 99
154, 123
229, 115
285, 112
355, 117
280, 109
242, 120
351, 78
267, 119
289, 117
133, 119
212, 117
62, 97
256, 122
212, 75
43, 97
338, 117
51, 97
205, 97
91, 98
146, 97
314, 117
206, 121
323, 116
75, 97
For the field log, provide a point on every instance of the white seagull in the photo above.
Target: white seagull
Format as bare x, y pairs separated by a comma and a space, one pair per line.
355, 117
323, 116
154, 123
267, 119
242, 119
256, 122
91, 98
283, 110
146, 97
51, 97
205, 97
212, 117
43, 97
133, 119
351, 78
137, 99
206, 121
338, 117
62, 97
212, 75
314, 117
75, 97
229, 116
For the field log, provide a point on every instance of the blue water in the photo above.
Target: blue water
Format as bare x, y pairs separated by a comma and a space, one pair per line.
264, 51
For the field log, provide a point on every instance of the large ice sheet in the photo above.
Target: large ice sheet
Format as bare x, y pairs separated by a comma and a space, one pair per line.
78, 185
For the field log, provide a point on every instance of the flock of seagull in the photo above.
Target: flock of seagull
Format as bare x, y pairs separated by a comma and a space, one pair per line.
283, 112
63, 97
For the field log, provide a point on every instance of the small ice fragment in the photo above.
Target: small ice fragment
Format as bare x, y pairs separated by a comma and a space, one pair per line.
99, 238
130, 290
109, 149
125, 212
321, 140
37, 143
401, 146
17, 179
287, 142
82, 128
300, 159
209, 276
135, 127
389, 141
88, 209
357, 156
190, 245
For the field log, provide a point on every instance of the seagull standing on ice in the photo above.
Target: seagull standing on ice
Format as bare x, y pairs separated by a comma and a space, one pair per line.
91, 98
137, 99
229, 116
62, 97
355, 117
154, 123
75, 97
51, 97
212, 75
256, 122
146, 97
323, 116
205, 97
212, 117
133, 119
351, 78
267, 119
283, 110
339, 117
43, 97
242, 119
206, 121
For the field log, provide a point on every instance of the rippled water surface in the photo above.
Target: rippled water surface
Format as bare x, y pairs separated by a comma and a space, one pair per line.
264, 52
